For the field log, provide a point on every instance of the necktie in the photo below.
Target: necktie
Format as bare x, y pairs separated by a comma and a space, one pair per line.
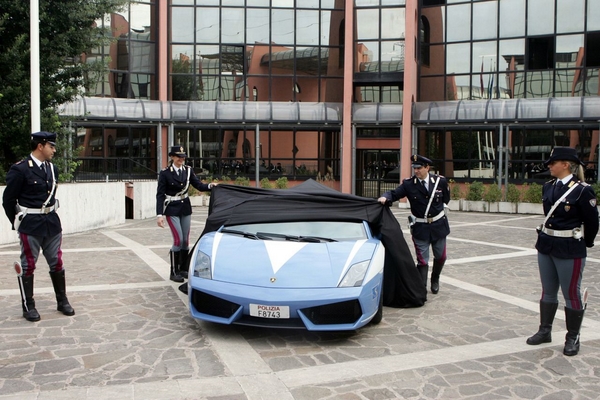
45, 168
424, 184
557, 188
179, 173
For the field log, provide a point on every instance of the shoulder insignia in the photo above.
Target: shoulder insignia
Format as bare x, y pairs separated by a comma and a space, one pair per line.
570, 184
593, 202
30, 163
171, 168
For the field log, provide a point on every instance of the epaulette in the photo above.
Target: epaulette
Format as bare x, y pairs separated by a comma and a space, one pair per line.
406, 179
582, 183
165, 168
19, 162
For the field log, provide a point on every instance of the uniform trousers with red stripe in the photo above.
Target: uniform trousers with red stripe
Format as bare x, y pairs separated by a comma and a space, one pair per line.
180, 229
30, 251
564, 274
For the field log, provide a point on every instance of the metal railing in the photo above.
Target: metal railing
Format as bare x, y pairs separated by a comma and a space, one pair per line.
115, 169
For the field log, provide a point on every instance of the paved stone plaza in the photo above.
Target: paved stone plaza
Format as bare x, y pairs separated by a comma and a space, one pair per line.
132, 336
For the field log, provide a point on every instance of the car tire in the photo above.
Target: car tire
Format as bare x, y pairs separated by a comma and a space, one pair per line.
379, 314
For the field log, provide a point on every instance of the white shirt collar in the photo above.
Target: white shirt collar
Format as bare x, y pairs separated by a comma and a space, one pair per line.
38, 162
566, 179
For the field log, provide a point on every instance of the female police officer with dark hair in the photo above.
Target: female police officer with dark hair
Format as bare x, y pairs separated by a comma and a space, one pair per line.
173, 204
570, 227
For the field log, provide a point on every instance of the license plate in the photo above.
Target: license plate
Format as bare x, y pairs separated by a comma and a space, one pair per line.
275, 312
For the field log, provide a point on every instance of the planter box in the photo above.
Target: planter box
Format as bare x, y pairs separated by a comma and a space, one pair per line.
455, 205
477, 206
530, 208
507, 207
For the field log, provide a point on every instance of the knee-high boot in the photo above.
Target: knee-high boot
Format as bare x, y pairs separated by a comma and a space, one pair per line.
435, 275
183, 263
60, 290
544, 334
574, 319
175, 277
27, 301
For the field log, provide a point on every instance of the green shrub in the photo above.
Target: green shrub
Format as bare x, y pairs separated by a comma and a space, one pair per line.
241, 181
493, 194
513, 194
265, 184
533, 193
596, 187
455, 193
281, 183
475, 191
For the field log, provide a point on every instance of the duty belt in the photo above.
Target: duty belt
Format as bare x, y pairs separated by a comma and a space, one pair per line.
576, 233
430, 220
175, 198
43, 210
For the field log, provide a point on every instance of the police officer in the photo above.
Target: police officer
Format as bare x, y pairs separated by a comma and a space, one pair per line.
570, 227
173, 205
30, 204
428, 195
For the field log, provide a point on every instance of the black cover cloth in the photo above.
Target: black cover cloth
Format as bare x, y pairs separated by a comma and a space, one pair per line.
309, 201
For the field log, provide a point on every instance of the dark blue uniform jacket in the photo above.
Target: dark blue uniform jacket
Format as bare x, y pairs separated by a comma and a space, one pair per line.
27, 184
169, 185
418, 196
578, 208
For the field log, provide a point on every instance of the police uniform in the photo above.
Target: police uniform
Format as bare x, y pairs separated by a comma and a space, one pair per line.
562, 244
427, 230
172, 201
30, 196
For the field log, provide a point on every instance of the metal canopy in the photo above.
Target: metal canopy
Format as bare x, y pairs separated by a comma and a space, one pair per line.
123, 110
555, 109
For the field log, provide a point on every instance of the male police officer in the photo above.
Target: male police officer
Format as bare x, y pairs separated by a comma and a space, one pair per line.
30, 204
428, 194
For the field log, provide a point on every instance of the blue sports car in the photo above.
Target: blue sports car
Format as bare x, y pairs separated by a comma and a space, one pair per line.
306, 257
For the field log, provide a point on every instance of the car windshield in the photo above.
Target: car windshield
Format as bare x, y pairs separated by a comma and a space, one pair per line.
311, 231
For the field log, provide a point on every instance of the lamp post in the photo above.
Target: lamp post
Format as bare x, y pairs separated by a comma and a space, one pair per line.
34, 38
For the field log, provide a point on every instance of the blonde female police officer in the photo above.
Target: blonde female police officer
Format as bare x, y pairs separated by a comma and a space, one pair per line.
570, 227
173, 205
429, 223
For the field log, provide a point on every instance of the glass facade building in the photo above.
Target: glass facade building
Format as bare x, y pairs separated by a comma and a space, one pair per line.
344, 90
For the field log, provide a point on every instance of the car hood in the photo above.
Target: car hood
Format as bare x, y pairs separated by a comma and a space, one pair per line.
285, 264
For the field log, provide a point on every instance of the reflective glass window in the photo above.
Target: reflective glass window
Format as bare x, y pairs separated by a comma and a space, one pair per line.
182, 2
511, 54
282, 26
512, 18
232, 2
593, 15
392, 23
437, 55
307, 27
458, 58
308, 4
570, 16
543, 22
232, 25
458, 23
283, 3
485, 20
182, 25
484, 57
366, 3
367, 23
207, 25
257, 28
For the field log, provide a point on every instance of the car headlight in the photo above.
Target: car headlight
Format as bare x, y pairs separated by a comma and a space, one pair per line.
202, 266
355, 275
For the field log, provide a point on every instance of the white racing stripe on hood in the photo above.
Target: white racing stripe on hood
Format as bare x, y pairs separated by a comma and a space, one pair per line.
353, 252
213, 256
280, 252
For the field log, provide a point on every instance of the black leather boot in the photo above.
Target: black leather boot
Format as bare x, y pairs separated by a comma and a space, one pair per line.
435, 276
175, 277
62, 303
574, 320
27, 301
183, 263
544, 334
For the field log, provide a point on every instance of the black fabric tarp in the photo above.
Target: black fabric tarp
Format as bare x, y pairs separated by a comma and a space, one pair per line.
232, 205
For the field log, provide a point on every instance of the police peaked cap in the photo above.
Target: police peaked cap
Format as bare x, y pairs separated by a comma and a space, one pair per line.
177, 151
44, 137
561, 153
420, 161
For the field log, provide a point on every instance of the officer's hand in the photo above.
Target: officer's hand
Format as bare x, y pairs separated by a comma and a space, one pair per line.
383, 200
589, 245
160, 221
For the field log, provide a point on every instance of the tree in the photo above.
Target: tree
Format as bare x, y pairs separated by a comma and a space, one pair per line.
68, 31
